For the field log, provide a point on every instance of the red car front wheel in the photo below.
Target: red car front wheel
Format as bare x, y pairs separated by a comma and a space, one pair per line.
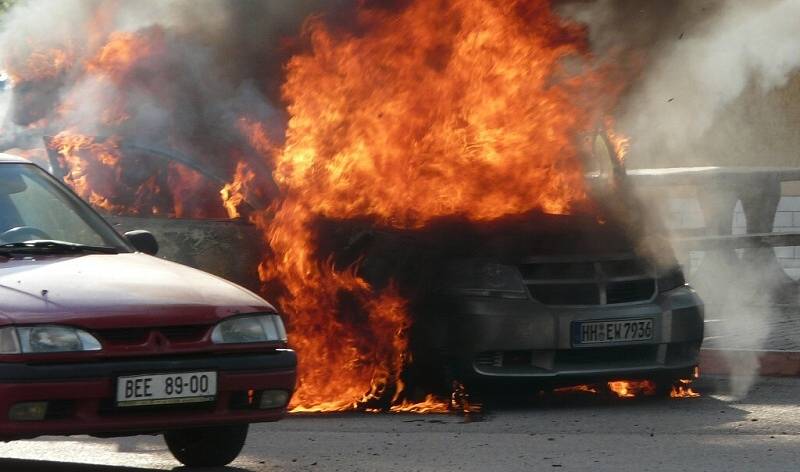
206, 447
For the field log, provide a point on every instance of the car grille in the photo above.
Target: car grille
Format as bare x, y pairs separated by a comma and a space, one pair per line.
124, 336
184, 333
630, 291
598, 282
136, 336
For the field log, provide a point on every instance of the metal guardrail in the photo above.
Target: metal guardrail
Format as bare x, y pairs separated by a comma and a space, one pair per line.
737, 241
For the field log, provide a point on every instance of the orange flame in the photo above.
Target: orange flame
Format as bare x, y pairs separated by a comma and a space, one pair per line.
233, 193
93, 169
431, 404
124, 50
98, 168
576, 389
632, 388
683, 389
120, 61
256, 133
79, 153
461, 107
477, 116
41, 64
620, 142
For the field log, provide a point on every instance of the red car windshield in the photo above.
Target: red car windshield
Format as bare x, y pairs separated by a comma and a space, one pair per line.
34, 206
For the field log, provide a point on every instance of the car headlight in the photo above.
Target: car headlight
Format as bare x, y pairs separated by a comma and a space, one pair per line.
249, 329
671, 279
44, 339
476, 277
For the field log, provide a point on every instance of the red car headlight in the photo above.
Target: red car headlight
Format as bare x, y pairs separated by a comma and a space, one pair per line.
9, 342
46, 338
249, 329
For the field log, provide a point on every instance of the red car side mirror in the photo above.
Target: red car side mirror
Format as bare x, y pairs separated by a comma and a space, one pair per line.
143, 241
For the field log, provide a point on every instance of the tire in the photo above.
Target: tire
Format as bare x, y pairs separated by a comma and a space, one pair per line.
206, 447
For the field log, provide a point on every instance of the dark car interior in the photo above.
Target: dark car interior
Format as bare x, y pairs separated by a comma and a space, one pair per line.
33, 208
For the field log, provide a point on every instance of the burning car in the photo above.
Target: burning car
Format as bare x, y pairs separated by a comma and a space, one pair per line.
543, 300
579, 307
97, 337
566, 299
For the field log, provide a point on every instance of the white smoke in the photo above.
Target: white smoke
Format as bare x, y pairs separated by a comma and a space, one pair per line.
713, 91
218, 61
695, 78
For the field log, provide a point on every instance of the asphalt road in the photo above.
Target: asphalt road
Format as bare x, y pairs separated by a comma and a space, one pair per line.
580, 432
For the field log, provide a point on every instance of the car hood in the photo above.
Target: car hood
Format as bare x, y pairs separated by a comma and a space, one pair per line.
115, 291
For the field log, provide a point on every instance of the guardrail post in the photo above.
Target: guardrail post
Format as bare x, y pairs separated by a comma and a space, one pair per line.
717, 204
760, 204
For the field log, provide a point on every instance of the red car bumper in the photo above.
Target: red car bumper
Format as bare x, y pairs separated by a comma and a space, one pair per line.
81, 397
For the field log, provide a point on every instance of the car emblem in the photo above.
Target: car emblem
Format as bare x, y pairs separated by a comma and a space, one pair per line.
159, 340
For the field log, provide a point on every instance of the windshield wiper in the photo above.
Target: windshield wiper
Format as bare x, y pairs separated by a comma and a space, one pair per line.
47, 246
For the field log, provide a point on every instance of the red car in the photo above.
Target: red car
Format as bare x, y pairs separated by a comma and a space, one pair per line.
99, 337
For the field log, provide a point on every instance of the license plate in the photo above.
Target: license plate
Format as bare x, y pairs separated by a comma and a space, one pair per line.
612, 331
164, 389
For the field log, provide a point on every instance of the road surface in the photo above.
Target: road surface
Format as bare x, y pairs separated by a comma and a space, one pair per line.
573, 433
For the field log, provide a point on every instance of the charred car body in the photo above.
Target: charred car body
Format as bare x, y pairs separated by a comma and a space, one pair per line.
579, 306
534, 301
571, 299
542, 300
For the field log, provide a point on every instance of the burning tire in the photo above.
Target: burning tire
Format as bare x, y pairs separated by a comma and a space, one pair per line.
206, 447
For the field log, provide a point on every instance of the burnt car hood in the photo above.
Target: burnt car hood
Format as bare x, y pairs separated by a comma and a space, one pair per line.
116, 290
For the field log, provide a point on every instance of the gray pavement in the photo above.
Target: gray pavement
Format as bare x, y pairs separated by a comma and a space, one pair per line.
576, 432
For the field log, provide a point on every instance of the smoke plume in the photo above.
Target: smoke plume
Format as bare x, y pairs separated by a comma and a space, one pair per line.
178, 74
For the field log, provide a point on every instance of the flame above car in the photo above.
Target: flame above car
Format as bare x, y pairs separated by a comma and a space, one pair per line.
462, 107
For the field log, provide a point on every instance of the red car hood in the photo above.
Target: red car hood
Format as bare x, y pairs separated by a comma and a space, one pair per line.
117, 290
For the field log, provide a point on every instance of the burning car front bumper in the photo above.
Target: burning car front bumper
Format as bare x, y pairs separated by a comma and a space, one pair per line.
81, 397
496, 340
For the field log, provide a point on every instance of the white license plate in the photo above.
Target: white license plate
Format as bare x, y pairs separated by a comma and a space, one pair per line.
164, 389
612, 331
